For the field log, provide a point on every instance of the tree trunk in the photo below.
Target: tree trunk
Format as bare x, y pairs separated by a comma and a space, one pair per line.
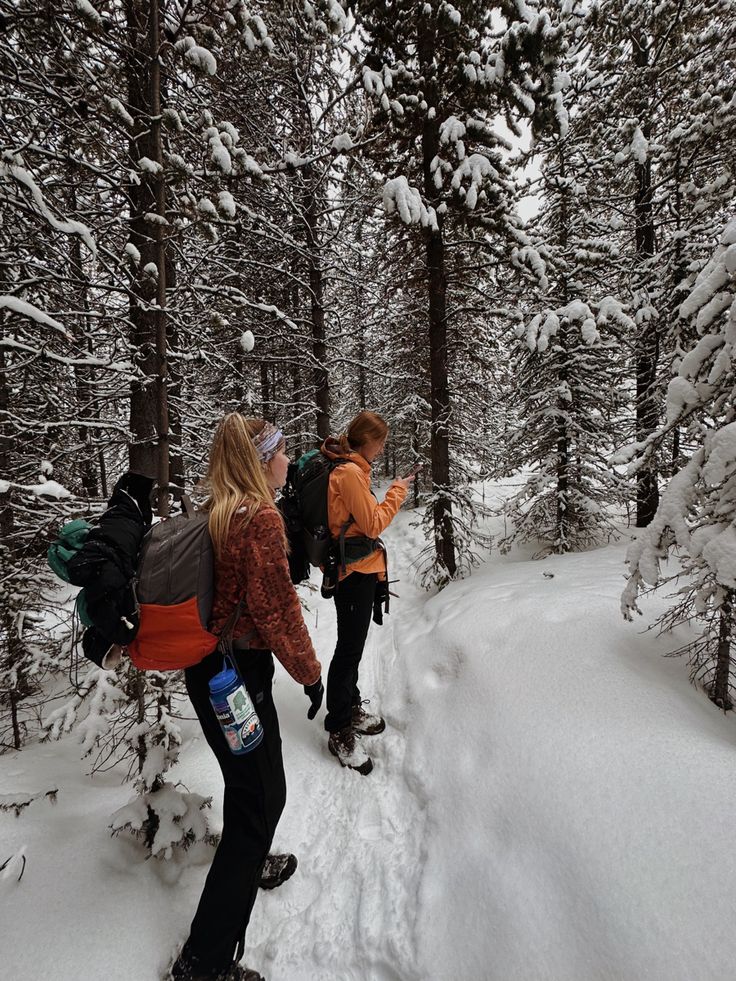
444, 538
14, 720
316, 290
265, 391
359, 320
440, 404
647, 342
82, 376
6, 446
720, 691
675, 461
174, 395
563, 407
149, 451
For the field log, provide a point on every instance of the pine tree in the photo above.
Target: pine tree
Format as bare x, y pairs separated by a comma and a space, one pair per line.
437, 74
568, 369
697, 512
655, 118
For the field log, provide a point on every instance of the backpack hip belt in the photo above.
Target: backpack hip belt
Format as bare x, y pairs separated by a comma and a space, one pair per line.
355, 548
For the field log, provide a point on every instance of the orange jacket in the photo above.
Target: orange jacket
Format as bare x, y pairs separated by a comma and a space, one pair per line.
349, 494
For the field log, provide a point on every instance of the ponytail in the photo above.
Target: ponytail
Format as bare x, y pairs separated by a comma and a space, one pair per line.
366, 427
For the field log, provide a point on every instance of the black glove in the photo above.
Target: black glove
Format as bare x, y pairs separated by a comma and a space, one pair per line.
380, 601
315, 693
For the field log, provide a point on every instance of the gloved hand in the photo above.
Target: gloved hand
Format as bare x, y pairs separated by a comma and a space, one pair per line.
315, 693
380, 601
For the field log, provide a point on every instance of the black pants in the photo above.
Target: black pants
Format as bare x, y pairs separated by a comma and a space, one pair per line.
354, 601
255, 794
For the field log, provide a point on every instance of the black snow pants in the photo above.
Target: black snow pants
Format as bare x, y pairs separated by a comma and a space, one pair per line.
354, 602
255, 794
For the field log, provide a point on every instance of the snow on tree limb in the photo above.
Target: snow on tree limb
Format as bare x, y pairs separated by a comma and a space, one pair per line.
70, 227
401, 198
31, 312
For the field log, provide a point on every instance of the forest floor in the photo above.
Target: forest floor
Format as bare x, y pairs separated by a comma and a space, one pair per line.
551, 801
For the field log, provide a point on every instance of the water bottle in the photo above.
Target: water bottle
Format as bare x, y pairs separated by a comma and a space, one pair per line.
234, 710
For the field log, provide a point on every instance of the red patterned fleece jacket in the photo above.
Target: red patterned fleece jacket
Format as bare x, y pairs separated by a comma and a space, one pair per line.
253, 568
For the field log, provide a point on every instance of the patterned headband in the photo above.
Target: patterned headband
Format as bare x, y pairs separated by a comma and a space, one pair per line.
268, 441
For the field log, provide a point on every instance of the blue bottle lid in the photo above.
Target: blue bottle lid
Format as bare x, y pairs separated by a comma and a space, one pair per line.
227, 678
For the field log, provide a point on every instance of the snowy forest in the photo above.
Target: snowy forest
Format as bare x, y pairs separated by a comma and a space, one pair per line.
509, 228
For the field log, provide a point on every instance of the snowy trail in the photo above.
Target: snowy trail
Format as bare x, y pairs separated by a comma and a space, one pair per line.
551, 801
351, 906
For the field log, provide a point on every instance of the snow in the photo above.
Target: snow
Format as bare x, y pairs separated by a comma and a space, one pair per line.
342, 143
639, 146
202, 59
219, 153
720, 554
548, 804
692, 363
226, 204
721, 462
19, 173
477, 169
197, 57
247, 341
149, 166
713, 277
372, 82
681, 395
206, 207
25, 309
336, 15
88, 11
49, 488
452, 130
404, 199
119, 109
452, 14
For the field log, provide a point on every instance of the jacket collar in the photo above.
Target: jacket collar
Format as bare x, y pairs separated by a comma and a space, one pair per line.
333, 451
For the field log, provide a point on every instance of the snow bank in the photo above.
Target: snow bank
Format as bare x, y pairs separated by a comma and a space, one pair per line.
549, 803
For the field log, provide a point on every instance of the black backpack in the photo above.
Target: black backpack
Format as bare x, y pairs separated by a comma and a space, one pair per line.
303, 505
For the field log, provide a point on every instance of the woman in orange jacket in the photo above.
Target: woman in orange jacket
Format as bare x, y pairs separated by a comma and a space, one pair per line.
354, 513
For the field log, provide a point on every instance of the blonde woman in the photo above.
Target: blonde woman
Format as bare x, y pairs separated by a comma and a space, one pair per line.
247, 465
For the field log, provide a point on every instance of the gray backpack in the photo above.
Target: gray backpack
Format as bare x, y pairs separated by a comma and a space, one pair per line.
175, 590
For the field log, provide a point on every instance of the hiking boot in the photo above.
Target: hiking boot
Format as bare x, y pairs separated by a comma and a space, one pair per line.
345, 745
239, 973
276, 870
186, 968
366, 723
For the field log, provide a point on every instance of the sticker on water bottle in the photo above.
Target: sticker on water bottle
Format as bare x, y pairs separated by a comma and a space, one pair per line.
240, 705
232, 734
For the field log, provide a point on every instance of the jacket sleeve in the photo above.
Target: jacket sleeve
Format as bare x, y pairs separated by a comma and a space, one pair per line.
272, 600
371, 518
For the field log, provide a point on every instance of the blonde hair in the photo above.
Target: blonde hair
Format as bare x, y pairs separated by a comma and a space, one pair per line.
366, 427
235, 476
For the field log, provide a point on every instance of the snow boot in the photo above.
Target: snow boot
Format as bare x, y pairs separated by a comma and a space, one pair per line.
366, 723
277, 869
239, 973
344, 744
186, 968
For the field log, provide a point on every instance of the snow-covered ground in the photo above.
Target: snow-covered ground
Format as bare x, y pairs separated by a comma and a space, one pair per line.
551, 800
